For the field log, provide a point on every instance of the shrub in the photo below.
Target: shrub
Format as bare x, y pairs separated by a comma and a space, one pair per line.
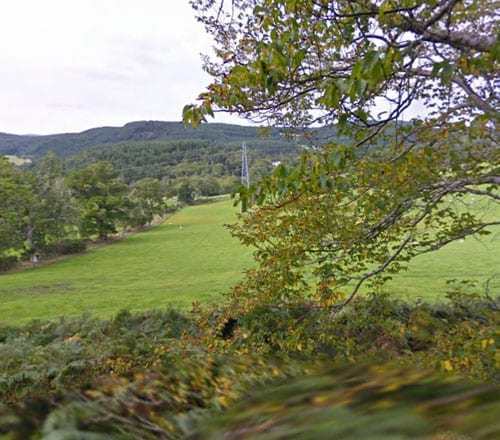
7, 263
153, 374
66, 247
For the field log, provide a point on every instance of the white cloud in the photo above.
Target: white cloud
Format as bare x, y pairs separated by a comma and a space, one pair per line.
69, 65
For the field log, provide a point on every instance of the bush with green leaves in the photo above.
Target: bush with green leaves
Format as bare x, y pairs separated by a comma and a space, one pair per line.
166, 374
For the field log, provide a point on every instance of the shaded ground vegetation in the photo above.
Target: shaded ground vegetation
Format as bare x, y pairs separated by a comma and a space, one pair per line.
378, 369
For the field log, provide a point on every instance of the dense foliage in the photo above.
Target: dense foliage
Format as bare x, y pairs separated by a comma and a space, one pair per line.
212, 167
361, 401
166, 374
358, 211
54, 212
102, 196
46, 212
15, 198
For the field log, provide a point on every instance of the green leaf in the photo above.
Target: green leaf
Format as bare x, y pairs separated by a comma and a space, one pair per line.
360, 86
370, 60
336, 157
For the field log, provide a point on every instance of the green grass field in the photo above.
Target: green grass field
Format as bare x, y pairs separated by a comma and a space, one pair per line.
473, 258
470, 259
192, 257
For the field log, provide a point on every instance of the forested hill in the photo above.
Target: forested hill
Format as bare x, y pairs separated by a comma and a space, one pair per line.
177, 159
34, 147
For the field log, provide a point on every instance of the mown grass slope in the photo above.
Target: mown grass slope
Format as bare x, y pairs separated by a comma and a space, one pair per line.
475, 258
192, 257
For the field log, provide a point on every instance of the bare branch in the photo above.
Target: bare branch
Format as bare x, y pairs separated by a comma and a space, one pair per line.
444, 9
462, 235
480, 193
459, 40
375, 272
475, 98
465, 86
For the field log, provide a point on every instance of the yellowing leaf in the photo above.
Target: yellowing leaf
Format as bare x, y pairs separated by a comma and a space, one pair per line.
447, 365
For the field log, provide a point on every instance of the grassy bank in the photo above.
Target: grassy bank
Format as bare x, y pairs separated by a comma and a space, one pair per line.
192, 257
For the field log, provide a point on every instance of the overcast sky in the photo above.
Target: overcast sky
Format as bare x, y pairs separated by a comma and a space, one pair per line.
70, 65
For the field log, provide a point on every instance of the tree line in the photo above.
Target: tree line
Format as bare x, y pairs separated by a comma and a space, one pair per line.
56, 203
44, 211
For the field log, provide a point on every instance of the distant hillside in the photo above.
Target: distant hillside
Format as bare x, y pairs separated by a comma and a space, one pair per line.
208, 156
34, 147
188, 158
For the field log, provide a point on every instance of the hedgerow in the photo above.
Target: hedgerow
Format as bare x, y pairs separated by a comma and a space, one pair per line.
155, 374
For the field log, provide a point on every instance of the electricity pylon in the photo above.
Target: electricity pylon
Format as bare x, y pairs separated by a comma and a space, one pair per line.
245, 176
